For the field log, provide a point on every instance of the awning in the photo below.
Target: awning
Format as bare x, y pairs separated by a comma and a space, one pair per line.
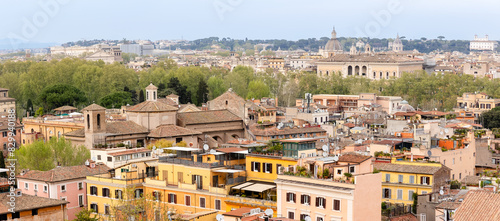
216, 153
228, 171
241, 185
258, 187
242, 152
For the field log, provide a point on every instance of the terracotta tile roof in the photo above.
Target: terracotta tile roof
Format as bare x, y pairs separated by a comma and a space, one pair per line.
406, 217
388, 142
28, 202
479, 205
151, 87
4, 124
65, 108
405, 114
471, 180
449, 205
171, 131
151, 106
353, 158
168, 101
238, 212
402, 168
350, 125
379, 58
115, 128
230, 149
206, 117
65, 173
93, 107
131, 151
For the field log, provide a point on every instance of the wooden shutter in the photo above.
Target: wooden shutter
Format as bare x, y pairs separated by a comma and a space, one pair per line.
180, 176
294, 198
317, 201
421, 180
175, 199
253, 166
169, 198
188, 200
324, 203
258, 166
271, 168
288, 197
301, 199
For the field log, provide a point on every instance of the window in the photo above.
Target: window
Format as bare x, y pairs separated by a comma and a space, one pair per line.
268, 167
105, 192
453, 161
202, 202
63, 188
217, 204
278, 168
16, 215
63, 198
320, 202
255, 166
352, 169
305, 199
138, 193
118, 194
98, 157
425, 180
45, 188
35, 187
93, 190
339, 171
187, 199
424, 192
291, 215
400, 178
26, 186
290, 197
80, 200
172, 198
386, 193
80, 185
303, 216
34, 212
400, 194
110, 159
412, 179
387, 177
410, 194
156, 195
106, 209
94, 207
336, 205
319, 219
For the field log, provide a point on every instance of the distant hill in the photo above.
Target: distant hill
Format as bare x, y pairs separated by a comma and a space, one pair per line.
6, 44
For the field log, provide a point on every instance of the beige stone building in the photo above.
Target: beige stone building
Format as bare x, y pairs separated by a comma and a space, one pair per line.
369, 65
232, 102
6, 103
342, 103
477, 103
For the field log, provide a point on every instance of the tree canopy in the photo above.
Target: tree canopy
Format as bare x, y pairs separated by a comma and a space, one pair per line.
59, 95
491, 118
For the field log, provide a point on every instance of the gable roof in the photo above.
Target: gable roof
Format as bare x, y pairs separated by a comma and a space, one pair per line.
353, 158
93, 107
64, 108
206, 117
151, 106
407, 168
27, 202
479, 205
65, 173
171, 131
118, 127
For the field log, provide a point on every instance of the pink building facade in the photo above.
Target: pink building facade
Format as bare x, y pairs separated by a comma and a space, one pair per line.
324, 199
63, 183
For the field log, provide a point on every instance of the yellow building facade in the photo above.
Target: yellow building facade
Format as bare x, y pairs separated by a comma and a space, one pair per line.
265, 167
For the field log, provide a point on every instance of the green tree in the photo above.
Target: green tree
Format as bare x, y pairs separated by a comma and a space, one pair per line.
116, 99
202, 93
39, 112
59, 95
216, 86
29, 107
257, 89
45, 156
141, 96
491, 118
87, 215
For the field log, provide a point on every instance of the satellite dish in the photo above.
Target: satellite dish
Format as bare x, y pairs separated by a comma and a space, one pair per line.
219, 217
269, 212
429, 153
325, 154
336, 158
212, 151
205, 146
324, 147
308, 218
441, 192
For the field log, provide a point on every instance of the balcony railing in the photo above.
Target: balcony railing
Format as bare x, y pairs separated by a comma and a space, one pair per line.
192, 163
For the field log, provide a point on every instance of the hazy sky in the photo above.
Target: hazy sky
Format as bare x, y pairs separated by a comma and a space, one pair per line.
72, 20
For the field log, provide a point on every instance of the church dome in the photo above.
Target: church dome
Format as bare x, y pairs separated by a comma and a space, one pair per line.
404, 106
333, 44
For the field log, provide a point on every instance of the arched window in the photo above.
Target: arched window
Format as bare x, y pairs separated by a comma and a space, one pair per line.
227, 102
154, 95
98, 121
88, 121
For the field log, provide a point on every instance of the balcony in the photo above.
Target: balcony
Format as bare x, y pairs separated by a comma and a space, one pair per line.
127, 178
191, 163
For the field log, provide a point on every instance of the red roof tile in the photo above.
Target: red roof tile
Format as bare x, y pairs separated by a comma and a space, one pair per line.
64, 173
479, 205
171, 131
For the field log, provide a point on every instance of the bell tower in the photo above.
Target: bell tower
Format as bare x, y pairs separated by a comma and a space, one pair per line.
151, 92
